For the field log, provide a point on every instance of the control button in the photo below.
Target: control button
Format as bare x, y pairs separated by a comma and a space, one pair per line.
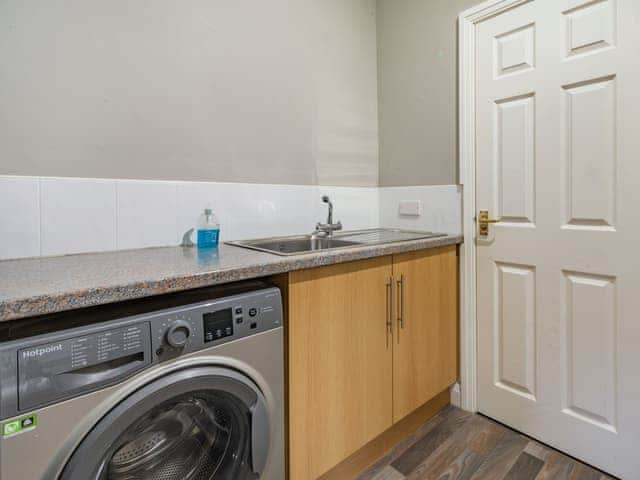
253, 312
28, 422
239, 320
238, 310
254, 325
178, 334
218, 333
228, 330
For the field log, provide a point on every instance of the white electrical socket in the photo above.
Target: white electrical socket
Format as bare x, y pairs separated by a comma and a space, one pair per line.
410, 208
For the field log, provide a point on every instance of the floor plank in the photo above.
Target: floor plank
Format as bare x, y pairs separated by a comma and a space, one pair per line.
438, 464
537, 450
488, 437
388, 473
463, 467
526, 467
403, 446
584, 472
556, 467
425, 446
502, 457
456, 445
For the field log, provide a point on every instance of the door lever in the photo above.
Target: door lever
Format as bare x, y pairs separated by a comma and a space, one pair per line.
484, 221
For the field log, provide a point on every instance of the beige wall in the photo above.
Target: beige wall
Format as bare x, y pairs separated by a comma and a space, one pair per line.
417, 90
277, 91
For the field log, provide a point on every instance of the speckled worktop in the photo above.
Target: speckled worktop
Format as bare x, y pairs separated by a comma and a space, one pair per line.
38, 286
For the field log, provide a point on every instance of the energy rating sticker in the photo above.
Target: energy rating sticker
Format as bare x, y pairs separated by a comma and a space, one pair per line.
20, 425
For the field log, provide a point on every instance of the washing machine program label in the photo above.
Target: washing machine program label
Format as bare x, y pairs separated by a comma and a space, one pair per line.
57, 369
84, 351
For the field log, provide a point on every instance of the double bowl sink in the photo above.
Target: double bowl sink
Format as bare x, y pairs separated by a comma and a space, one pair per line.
301, 244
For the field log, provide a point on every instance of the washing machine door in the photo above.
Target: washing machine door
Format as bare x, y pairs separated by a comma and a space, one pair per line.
203, 423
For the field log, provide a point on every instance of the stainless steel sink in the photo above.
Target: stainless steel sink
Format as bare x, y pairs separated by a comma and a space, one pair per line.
300, 244
293, 245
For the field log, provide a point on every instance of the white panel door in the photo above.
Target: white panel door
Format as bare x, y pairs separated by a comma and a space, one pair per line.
558, 278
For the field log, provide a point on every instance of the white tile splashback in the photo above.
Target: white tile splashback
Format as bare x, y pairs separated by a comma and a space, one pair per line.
54, 216
247, 210
77, 215
19, 217
441, 208
147, 214
356, 208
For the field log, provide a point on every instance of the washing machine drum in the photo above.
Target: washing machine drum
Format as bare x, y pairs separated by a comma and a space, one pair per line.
186, 439
208, 425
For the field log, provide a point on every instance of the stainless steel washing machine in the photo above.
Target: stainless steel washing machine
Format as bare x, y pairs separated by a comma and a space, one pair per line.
187, 386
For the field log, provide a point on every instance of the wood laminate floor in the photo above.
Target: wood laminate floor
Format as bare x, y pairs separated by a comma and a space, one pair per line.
457, 445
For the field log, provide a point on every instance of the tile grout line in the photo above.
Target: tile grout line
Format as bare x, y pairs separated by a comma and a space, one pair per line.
117, 217
40, 216
178, 235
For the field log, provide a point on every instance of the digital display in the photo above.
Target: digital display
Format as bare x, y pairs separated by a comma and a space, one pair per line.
218, 324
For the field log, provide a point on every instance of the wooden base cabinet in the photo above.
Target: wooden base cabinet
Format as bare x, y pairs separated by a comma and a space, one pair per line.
340, 363
425, 349
369, 342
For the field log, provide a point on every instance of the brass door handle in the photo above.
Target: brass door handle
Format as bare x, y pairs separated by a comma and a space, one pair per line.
484, 221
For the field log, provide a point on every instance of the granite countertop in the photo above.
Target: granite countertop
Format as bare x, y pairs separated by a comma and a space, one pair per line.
39, 286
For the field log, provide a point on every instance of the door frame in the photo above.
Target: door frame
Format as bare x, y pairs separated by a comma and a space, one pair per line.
467, 24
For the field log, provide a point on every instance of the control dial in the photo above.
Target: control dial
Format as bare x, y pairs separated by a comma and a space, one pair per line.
178, 333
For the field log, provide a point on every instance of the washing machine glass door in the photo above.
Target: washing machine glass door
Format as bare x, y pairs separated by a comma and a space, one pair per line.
196, 424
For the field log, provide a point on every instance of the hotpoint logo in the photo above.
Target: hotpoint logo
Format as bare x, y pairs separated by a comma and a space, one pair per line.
40, 351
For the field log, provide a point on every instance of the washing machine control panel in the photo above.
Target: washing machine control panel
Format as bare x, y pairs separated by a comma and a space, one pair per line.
207, 324
52, 367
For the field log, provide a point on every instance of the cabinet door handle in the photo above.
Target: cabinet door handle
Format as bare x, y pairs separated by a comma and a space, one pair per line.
401, 302
389, 323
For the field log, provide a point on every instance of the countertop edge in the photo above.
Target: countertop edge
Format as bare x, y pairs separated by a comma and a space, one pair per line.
33, 306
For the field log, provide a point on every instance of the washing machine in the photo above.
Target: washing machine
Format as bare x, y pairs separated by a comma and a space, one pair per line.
187, 386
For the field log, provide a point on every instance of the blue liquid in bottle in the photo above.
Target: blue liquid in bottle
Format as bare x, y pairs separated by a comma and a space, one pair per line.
208, 230
208, 238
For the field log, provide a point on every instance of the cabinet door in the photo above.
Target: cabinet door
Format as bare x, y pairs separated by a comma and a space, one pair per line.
340, 363
425, 344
